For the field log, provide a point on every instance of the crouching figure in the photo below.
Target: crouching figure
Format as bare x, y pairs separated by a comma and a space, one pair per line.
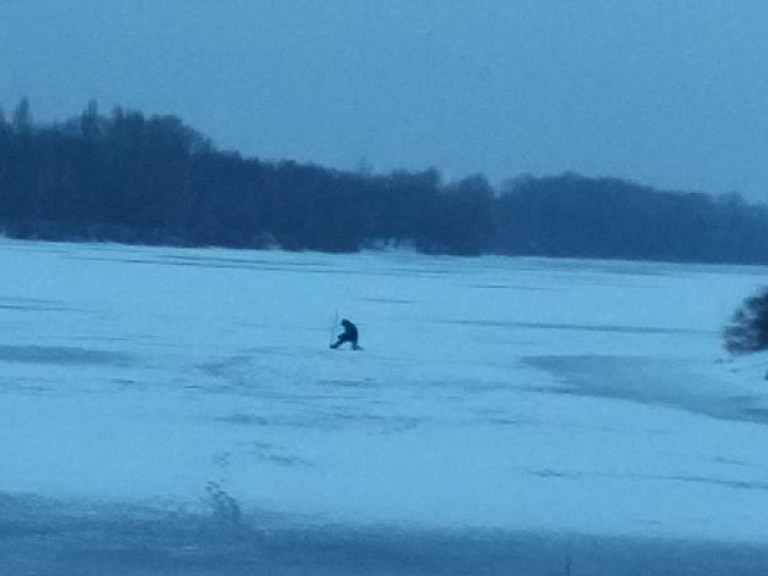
349, 335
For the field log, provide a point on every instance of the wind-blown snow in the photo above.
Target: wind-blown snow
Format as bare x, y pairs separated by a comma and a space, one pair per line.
493, 393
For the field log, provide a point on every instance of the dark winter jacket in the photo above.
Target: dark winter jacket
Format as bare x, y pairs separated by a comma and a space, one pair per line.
350, 332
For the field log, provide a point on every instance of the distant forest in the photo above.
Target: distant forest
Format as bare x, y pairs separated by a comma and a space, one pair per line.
129, 178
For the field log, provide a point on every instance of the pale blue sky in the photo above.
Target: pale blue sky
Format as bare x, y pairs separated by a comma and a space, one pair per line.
671, 93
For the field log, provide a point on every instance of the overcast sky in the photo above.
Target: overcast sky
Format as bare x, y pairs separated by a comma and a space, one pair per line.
670, 93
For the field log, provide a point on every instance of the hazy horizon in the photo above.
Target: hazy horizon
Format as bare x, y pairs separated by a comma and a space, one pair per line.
664, 93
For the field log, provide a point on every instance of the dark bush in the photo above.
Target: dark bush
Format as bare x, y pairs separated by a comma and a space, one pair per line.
748, 330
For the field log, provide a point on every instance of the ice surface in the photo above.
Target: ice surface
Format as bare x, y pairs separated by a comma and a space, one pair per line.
494, 395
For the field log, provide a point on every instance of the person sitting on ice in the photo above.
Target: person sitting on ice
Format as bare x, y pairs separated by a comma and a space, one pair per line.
349, 335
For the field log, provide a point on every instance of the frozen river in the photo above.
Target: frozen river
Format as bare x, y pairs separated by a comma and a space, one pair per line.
175, 411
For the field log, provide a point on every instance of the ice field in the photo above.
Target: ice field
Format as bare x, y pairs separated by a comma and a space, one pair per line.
170, 411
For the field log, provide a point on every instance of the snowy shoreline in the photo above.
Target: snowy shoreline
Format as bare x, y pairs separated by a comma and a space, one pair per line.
39, 537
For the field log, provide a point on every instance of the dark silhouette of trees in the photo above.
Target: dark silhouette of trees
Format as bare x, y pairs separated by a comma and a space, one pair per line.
126, 177
573, 216
462, 218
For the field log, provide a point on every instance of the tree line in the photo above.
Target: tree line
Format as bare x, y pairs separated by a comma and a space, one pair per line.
127, 177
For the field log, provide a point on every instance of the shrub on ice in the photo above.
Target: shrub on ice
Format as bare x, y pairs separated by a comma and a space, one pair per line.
748, 330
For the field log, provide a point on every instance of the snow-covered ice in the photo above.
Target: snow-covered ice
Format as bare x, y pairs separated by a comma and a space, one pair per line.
494, 394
